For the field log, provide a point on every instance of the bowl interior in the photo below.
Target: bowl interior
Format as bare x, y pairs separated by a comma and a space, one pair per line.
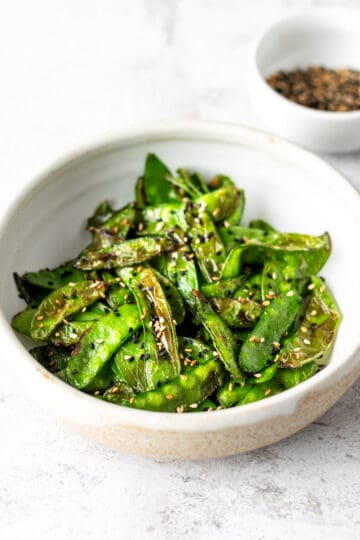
329, 38
292, 189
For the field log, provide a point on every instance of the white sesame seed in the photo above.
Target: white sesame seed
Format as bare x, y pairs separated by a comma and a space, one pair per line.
290, 293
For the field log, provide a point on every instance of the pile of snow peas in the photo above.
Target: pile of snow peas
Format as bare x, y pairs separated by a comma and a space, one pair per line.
176, 306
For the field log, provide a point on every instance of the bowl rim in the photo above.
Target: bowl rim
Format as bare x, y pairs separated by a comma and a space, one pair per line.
202, 421
257, 43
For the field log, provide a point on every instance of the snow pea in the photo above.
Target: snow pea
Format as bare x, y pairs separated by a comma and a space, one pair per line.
99, 344
56, 278
156, 187
238, 313
61, 304
224, 288
232, 392
258, 350
173, 297
116, 228
21, 322
222, 338
70, 333
134, 251
52, 358
195, 350
205, 242
185, 390
314, 339
290, 377
264, 390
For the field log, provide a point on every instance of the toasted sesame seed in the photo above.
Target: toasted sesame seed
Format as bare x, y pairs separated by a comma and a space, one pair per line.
131, 400
265, 303
40, 325
183, 377
140, 227
216, 212
39, 318
322, 288
313, 313
226, 223
169, 397
188, 350
114, 390
57, 334
297, 349
311, 286
83, 309
290, 293
303, 329
257, 375
215, 278
262, 340
97, 393
254, 339
57, 302
276, 344
267, 391
180, 409
307, 341
99, 341
274, 275
193, 406
193, 363
231, 387
65, 321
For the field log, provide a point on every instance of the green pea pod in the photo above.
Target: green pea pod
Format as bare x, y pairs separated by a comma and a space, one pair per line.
274, 280
160, 340
251, 288
132, 251
273, 323
173, 297
232, 392
116, 228
32, 294
224, 288
102, 380
194, 349
117, 296
118, 393
22, 321
99, 344
129, 364
92, 313
222, 338
267, 374
235, 235
156, 220
261, 391
69, 334
61, 304
184, 391
56, 278
180, 269
221, 202
205, 242
237, 313
52, 358
314, 339
290, 377
157, 189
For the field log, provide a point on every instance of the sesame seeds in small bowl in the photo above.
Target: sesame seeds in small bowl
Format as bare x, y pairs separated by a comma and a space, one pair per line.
304, 79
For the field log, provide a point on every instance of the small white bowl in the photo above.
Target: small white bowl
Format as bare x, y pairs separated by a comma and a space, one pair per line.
320, 36
285, 185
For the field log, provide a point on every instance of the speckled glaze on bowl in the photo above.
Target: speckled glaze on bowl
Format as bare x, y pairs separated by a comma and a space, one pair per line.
290, 187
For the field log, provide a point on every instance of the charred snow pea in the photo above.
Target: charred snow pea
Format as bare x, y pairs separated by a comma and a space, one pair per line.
185, 390
56, 278
61, 304
52, 358
238, 313
173, 297
206, 405
132, 251
99, 344
258, 350
118, 393
22, 321
314, 338
70, 333
261, 391
222, 338
129, 364
221, 202
157, 189
232, 392
290, 377
224, 288
116, 228
205, 242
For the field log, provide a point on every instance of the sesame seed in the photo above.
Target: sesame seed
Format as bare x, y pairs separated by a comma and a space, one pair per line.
262, 340
39, 318
131, 400
265, 303
71, 284
276, 344
231, 387
193, 363
226, 223
313, 313
57, 334
65, 321
140, 227
97, 393
311, 286
169, 397
290, 293
322, 288
83, 309
267, 391
188, 350
40, 325
183, 377
274, 275
303, 329
257, 375
307, 342
99, 341
114, 390
216, 212
254, 339
297, 349
193, 406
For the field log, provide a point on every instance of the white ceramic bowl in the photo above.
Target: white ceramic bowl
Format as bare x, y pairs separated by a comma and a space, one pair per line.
319, 36
290, 187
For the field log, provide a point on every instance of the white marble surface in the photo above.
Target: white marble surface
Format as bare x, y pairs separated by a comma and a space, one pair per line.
75, 71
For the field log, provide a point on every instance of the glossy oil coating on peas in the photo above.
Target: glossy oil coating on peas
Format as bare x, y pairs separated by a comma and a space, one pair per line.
175, 305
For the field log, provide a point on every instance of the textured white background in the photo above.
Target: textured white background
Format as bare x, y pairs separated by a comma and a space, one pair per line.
74, 70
